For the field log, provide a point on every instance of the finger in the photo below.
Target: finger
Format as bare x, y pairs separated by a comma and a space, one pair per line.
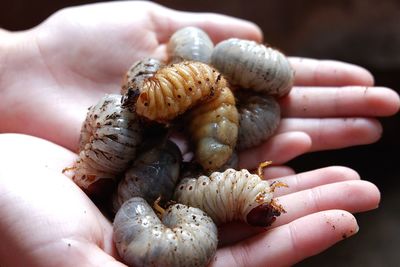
34, 152
30, 176
352, 196
312, 72
314, 178
275, 172
347, 194
279, 149
333, 133
290, 243
218, 27
339, 102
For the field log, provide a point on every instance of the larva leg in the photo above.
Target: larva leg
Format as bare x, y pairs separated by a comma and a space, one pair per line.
261, 166
156, 206
274, 185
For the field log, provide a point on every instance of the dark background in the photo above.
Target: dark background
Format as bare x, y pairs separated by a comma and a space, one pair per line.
358, 31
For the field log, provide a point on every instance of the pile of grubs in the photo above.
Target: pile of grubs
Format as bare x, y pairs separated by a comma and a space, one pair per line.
224, 99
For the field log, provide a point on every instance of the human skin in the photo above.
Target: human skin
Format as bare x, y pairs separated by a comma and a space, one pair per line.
51, 74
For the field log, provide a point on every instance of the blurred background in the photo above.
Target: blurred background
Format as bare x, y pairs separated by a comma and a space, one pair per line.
362, 32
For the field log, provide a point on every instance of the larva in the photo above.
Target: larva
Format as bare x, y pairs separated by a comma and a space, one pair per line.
231, 195
154, 174
109, 138
254, 66
190, 43
259, 118
213, 126
185, 236
176, 88
231, 163
136, 75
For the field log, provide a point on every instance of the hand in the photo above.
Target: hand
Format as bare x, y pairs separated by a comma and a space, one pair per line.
46, 220
58, 69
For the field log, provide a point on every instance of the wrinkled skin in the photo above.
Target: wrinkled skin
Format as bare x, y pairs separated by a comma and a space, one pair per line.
46, 220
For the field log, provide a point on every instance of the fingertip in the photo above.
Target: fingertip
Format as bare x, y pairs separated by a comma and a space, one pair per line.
373, 196
362, 76
386, 99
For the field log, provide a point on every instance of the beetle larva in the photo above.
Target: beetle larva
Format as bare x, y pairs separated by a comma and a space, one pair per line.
231, 163
213, 126
109, 138
139, 71
186, 236
176, 88
190, 43
259, 118
229, 196
154, 174
254, 66
136, 75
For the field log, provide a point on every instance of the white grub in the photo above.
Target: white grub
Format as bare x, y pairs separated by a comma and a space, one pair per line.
253, 66
185, 236
259, 118
109, 139
230, 196
154, 174
190, 43
140, 71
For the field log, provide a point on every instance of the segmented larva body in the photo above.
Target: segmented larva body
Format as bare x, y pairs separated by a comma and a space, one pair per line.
190, 43
253, 66
186, 236
259, 118
154, 174
176, 88
231, 163
138, 72
213, 126
230, 196
109, 138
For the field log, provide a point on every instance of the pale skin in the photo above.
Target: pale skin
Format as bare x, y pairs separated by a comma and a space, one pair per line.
51, 74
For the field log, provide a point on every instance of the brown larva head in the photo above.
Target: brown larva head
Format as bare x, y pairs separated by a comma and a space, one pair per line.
265, 214
129, 99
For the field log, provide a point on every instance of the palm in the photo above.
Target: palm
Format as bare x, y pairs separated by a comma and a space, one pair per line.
45, 218
80, 60
48, 221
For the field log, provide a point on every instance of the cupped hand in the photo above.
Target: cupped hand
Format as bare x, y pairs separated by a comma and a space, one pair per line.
46, 220
58, 69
